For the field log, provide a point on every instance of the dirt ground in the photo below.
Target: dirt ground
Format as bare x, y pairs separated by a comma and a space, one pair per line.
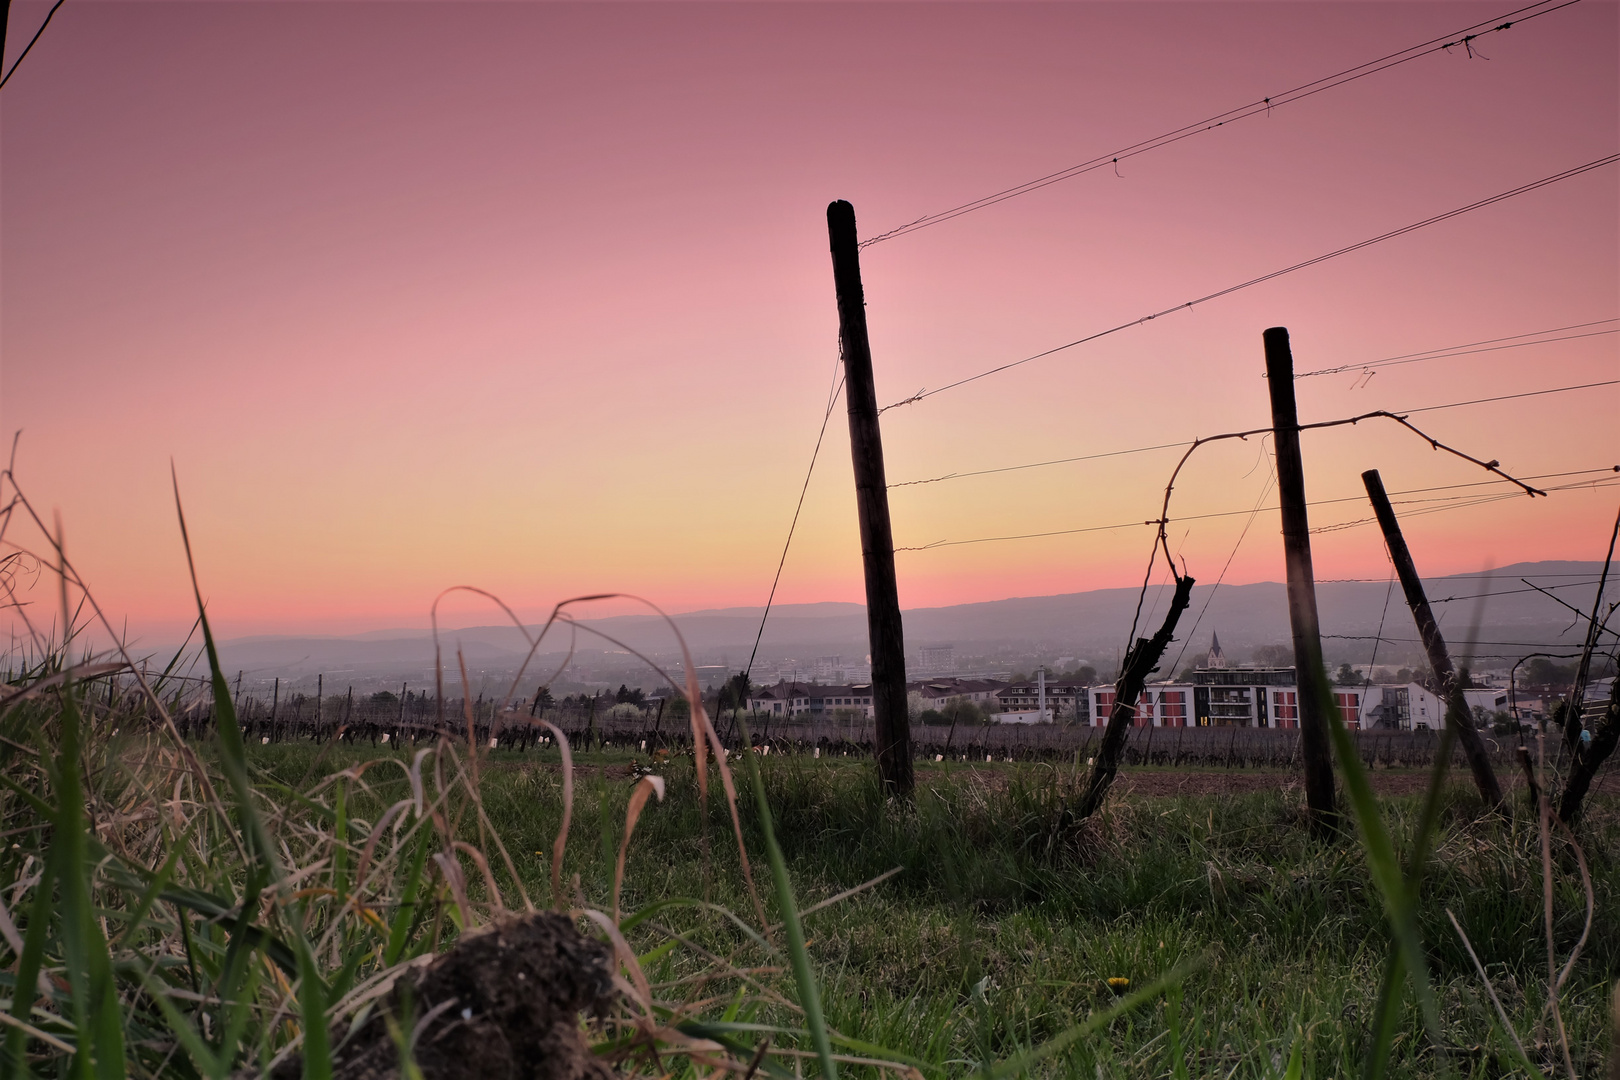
504, 1003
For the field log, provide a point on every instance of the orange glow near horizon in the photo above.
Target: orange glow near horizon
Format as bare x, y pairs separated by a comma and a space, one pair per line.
537, 297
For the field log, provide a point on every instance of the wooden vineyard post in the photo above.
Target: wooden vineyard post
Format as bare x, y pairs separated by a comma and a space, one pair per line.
1457, 715
884, 630
1314, 694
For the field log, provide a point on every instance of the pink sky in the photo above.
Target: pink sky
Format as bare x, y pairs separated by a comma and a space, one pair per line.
537, 297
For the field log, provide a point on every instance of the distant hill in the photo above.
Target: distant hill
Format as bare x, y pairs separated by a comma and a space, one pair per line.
1089, 625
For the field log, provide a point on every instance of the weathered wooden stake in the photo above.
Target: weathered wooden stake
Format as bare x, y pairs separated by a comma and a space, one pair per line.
1316, 751
1457, 714
884, 630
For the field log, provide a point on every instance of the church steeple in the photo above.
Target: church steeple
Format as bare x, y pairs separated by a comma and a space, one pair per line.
1217, 658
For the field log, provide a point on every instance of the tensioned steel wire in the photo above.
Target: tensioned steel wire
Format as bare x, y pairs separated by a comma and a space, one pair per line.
1431, 354
1456, 503
1534, 185
1462, 38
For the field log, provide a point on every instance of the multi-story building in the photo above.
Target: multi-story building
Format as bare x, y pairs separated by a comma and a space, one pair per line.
1227, 697
932, 658
1160, 705
1066, 701
784, 699
1245, 697
814, 700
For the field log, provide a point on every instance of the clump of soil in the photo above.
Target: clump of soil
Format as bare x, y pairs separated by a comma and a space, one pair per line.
503, 1003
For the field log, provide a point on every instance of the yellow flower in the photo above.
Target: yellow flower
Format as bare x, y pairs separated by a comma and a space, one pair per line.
1118, 985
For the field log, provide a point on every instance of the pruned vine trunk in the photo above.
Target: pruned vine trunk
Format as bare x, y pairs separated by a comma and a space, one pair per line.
1140, 662
1589, 757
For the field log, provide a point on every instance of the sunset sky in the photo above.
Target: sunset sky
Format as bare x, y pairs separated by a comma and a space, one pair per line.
537, 297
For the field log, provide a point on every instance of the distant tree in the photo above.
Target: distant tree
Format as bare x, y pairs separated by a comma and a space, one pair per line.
627, 696
1347, 676
543, 699
1543, 672
384, 697
679, 708
933, 716
735, 693
1274, 655
1187, 673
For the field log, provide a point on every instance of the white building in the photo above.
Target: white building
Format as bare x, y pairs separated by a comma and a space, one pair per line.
1066, 701
1491, 698
787, 699
1406, 708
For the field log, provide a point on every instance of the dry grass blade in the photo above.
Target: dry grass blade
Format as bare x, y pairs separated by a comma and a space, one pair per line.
377, 832
483, 867
1543, 825
458, 885
627, 957
1507, 1025
34, 1032
701, 716
560, 845
1591, 906
645, 787
847, 893
38, 687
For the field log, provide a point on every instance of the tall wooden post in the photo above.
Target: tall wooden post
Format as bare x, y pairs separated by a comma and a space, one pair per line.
1457, 714
884, 632
1314, 694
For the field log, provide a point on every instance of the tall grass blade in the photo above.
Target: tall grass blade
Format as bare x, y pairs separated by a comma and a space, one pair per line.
28, 966
798, 955
406, 916
312, 1004
96, 1015
1399, 901
232, 752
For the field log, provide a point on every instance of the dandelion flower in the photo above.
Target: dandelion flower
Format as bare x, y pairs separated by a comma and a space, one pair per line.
1118, 985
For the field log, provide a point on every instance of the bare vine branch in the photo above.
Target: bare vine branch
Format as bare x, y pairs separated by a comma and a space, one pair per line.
1162, 540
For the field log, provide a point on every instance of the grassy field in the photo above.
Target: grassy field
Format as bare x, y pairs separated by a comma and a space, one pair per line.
1004, 925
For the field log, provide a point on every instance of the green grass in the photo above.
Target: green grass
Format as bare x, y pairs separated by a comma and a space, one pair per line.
1001, 931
